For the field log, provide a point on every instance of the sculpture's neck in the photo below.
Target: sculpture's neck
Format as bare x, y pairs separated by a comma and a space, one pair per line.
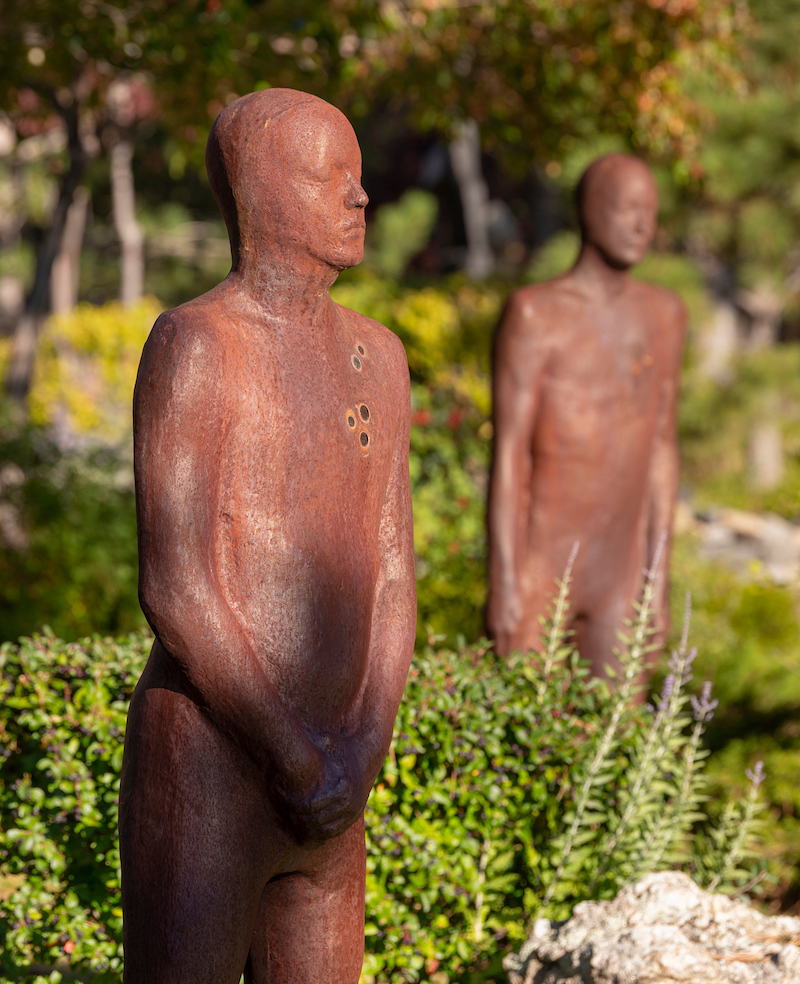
287, 288
596, 276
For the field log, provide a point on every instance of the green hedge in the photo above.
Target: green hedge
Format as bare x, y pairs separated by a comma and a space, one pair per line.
503, 786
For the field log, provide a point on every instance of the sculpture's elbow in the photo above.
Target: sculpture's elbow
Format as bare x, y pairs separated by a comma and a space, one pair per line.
162, 609
151, 600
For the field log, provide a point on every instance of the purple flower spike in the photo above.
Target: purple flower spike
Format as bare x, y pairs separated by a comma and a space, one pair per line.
756, 775
703, 709
666, 692
681, 662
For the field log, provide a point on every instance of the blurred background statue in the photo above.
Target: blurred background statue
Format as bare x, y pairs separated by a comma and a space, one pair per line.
586, 372
271, 431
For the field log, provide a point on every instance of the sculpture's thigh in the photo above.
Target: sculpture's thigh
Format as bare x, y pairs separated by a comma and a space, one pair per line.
195, 853
527, 636
540, 588
598, 627
311, 922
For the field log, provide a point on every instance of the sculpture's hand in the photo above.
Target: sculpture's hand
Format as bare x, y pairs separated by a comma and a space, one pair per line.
504, 615
334, 802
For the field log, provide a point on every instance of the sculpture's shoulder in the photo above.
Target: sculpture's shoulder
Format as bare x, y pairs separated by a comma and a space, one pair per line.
189, 330
667, 303
186, 355
668, 318
195, 336
382, 345
531, 313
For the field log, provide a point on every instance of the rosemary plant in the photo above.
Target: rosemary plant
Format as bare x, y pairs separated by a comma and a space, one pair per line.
650, 756
637, 801
589, 810
744, 820
555, 627
683, 808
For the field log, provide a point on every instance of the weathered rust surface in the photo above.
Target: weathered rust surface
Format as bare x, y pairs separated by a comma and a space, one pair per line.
275, 540
586, 376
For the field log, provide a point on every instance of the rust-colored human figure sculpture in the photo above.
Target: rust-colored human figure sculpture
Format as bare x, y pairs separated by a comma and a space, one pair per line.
275, 537
585, 388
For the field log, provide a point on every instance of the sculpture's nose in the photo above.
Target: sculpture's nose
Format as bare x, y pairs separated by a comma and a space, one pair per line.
357, 197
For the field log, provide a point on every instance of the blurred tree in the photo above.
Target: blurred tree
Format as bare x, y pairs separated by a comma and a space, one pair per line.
65, 275
127, 101
747, 223
87, 68
527, 78
535, 75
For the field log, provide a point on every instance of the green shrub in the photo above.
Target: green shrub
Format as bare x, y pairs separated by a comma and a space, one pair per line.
449, 463
715, 423
399, 230
67, 539
86, 365
62, 723
746, 631
511, 789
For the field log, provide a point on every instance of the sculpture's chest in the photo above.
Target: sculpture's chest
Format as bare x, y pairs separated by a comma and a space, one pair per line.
315, 425
610, 364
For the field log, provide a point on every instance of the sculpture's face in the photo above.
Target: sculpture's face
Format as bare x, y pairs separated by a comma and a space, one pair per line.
319, 209
620, 212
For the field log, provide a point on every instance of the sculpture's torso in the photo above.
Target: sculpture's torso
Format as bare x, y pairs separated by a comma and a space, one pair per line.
297, 543
602, 386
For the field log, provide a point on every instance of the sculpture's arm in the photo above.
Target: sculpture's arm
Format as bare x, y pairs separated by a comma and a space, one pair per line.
665, 468
182, 415
394, 618
516, 382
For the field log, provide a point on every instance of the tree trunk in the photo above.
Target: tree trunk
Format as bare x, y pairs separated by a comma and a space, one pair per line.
766, 457
123, 199
65, 278
719, 342
465, 159
37, 305
764, 305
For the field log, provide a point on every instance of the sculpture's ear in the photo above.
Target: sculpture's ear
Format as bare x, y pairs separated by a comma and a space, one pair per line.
218, 149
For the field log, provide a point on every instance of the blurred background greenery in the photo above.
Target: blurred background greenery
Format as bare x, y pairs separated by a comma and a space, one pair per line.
475, 121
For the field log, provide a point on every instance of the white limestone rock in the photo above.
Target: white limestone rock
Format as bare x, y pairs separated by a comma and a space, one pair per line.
662, 930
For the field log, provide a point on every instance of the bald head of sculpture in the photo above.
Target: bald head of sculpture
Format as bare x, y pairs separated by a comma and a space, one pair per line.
617, 201
285, 168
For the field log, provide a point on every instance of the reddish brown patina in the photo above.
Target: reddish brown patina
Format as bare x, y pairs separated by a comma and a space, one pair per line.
585, 388
275, 540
